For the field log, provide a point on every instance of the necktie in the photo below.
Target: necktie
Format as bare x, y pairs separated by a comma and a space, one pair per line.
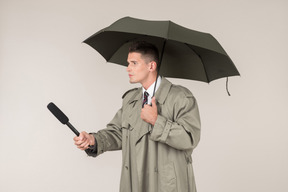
145, 100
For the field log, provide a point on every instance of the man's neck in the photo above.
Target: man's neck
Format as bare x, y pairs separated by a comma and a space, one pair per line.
149, 82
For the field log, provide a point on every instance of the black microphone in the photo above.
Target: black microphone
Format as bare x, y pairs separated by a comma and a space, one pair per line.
61, 116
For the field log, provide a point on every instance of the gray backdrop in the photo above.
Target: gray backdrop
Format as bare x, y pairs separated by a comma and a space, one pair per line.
244, 145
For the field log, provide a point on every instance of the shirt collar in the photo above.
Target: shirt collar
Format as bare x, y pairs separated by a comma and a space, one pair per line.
160, 95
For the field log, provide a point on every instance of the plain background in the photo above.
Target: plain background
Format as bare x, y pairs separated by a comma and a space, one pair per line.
244, 145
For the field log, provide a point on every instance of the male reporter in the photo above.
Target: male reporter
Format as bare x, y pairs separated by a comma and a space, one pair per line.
157, 135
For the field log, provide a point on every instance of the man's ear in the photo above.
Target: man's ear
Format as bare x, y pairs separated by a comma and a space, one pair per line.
153, 65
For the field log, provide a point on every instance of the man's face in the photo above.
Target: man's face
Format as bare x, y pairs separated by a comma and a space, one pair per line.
138, 69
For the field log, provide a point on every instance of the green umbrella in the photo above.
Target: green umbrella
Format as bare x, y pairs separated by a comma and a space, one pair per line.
184, 53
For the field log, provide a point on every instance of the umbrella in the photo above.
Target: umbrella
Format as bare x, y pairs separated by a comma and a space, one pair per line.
184, 53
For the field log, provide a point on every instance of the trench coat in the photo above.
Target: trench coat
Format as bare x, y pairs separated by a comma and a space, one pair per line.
154, 158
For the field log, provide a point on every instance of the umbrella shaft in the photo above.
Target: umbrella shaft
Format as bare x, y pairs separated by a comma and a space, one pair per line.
159, 64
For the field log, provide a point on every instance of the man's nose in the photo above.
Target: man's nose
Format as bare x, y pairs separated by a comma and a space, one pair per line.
128, 68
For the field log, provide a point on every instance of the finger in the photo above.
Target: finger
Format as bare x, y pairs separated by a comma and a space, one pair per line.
80, 142
81, 145
77, 141
84, 146
76, 138
83, 135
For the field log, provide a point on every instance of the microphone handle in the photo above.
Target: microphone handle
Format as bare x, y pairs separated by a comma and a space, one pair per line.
72, 128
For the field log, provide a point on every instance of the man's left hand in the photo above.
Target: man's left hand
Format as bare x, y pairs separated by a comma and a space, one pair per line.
150, 113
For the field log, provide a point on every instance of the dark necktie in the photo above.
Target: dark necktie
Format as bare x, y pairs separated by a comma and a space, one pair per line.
145, 100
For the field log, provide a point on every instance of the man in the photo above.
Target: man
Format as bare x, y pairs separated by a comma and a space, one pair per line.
157, 135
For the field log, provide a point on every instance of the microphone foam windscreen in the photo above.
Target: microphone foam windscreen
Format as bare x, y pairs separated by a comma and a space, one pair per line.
57, 113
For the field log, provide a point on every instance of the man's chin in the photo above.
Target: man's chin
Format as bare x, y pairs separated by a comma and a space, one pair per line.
132, 82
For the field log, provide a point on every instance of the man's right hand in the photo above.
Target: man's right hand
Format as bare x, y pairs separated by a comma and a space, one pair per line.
84, 140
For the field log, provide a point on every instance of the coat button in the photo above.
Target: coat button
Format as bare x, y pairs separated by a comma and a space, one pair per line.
126, 167
156, 170
189, 160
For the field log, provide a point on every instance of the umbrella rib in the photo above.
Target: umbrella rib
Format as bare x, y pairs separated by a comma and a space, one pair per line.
168, 30
201, 61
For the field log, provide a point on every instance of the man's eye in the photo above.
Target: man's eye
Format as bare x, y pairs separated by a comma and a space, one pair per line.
132, 62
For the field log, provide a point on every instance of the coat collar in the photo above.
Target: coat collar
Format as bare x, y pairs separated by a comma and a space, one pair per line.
160, 95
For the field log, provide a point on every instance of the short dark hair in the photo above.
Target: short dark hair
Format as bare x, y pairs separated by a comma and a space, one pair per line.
145, 48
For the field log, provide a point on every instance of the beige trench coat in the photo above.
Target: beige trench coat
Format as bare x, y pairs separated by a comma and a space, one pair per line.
155, 159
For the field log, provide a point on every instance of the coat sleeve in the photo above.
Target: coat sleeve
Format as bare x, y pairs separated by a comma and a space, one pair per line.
182, 131
110, 138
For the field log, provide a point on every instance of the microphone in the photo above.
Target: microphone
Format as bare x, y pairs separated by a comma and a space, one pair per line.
61, 117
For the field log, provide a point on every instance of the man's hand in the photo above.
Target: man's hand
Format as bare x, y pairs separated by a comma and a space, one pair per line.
150, 113
84, 140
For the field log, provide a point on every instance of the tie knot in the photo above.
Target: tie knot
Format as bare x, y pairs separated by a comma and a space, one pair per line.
146, 94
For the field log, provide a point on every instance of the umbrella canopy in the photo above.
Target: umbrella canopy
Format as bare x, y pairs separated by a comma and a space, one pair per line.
185, 53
